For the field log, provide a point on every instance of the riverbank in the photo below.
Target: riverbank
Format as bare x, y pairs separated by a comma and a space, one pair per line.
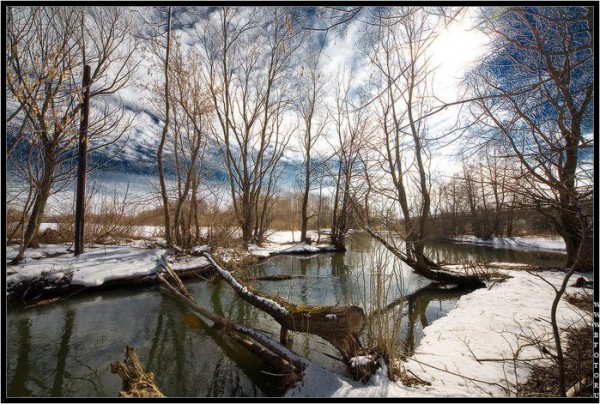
481, 348
538, 243
52, 270
466, 353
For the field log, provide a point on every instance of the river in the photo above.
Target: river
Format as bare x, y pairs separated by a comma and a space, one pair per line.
65, 349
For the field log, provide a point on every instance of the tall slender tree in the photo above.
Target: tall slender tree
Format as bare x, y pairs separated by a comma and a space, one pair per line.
248, 52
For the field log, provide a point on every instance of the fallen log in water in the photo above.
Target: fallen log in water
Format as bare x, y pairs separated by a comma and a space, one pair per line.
136, 382
338, 325
279, 357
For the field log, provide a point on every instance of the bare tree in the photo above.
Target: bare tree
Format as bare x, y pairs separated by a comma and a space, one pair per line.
350, 126
163, 138
182, 102
247, 54
541, 110
311, 91
46, 51
477, 197
401, 62
191, 107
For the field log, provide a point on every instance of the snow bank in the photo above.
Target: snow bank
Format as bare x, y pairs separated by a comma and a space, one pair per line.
289, 236
279, 243
518, 243
317, 382
96, 266
36, 253
487, 326
487, 323
300, 248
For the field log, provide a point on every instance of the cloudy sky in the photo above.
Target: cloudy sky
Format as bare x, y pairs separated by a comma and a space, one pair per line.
457, 48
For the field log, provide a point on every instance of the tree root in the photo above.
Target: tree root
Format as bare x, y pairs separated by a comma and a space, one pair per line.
136, 382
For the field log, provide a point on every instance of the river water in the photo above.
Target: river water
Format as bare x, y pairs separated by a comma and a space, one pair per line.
65, 349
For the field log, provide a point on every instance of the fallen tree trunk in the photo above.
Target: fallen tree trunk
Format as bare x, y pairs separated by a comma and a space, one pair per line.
338, 325
136, 382
430, 270
279, 357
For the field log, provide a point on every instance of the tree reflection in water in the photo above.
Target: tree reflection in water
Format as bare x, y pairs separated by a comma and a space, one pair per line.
417, 304
17, 385
63, 351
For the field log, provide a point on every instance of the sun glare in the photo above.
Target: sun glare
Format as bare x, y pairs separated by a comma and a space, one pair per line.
455, 50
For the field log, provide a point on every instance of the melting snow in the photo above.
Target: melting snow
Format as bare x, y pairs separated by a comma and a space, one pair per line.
360, 360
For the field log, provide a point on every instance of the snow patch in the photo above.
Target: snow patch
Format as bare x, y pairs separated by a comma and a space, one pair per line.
301, 248
97, 266
489, 323
362, 360
518, 243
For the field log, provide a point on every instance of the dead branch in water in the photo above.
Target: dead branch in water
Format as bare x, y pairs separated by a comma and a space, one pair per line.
136, 382
279, 357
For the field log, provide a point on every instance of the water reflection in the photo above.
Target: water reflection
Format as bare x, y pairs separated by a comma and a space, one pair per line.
463, 253
65, 349
20, 375
63, 352
420, 312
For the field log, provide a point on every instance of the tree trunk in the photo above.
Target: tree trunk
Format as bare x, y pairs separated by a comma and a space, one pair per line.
304, 218
428, 269
163, 139
570, 230
279, 357
35, 219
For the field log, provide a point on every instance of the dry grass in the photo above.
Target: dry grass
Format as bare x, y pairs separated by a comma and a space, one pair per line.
486, 272
382, 277
578, 365
581, 301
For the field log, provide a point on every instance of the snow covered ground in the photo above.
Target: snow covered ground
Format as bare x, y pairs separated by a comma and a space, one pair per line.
469, 352
287, 242
269, 249
521, 243
103, 263
94, 267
